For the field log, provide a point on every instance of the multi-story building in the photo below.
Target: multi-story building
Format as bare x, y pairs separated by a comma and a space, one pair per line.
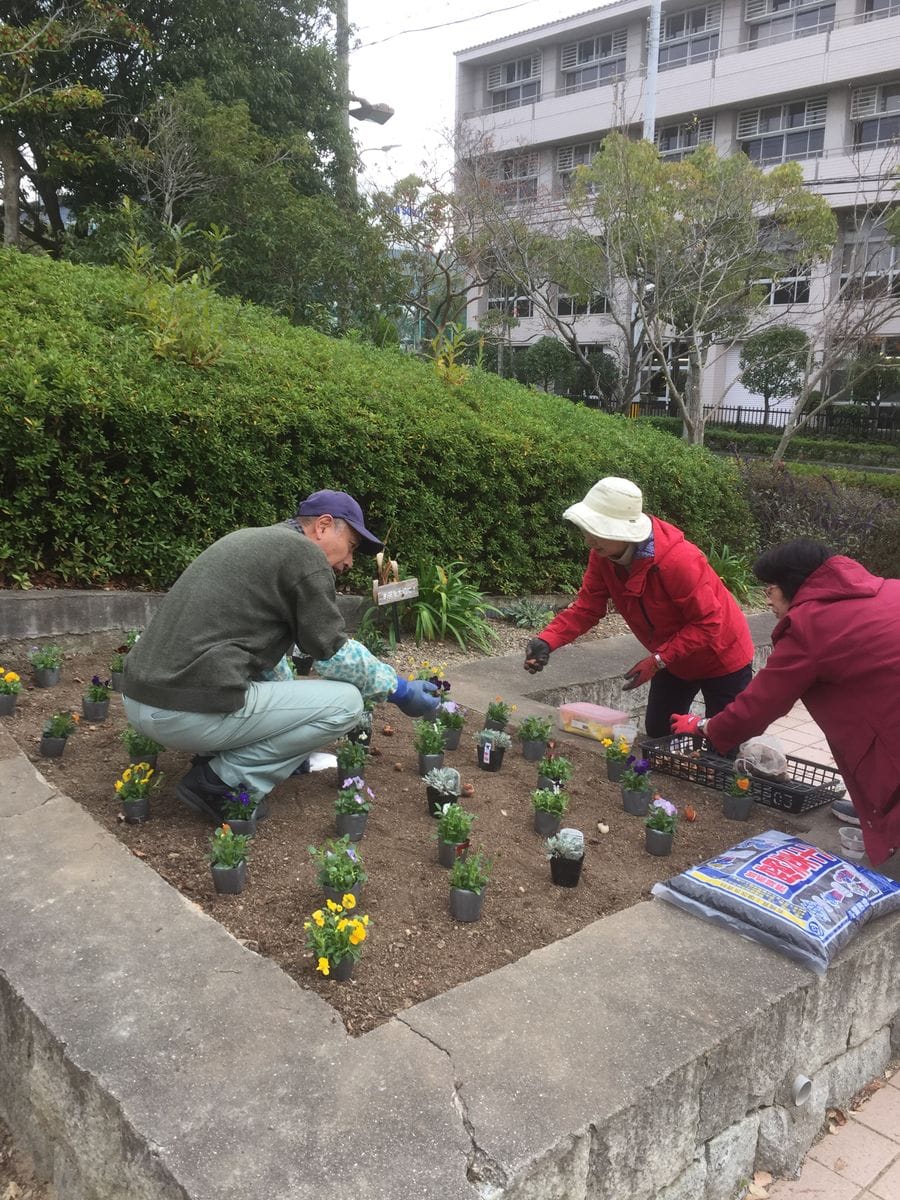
812, 81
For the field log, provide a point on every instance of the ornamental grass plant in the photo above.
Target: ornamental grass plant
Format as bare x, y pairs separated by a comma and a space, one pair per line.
333, 934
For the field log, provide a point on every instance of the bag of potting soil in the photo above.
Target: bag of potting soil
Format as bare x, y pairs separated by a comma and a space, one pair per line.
779, 890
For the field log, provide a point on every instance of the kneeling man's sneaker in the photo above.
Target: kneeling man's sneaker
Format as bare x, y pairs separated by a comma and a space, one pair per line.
202, 790
844, 811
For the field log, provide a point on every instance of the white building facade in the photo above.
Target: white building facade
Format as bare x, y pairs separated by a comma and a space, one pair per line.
781, 80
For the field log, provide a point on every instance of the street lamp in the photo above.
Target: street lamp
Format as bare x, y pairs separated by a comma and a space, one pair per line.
379, 113
380, 149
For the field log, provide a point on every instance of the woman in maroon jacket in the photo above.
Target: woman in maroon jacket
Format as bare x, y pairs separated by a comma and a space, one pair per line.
836, 648
673, 601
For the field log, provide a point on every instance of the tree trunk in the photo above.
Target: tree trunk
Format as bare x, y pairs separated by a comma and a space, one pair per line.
693, 400
12, 177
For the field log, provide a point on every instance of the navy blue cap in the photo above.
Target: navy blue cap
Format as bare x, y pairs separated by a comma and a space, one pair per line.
341, 505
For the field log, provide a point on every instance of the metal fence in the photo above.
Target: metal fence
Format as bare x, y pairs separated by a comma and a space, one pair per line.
854, 424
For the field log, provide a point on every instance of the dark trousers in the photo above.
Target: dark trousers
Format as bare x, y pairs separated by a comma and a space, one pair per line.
670, 695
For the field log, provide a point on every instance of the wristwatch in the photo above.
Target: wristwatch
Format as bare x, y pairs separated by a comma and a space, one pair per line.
660, 665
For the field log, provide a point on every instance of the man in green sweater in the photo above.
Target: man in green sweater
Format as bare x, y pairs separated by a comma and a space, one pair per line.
196, 679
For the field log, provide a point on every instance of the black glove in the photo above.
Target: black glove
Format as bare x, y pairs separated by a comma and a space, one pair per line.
537, 655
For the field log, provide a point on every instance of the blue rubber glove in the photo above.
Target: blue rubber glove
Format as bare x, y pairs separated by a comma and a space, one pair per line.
415, 697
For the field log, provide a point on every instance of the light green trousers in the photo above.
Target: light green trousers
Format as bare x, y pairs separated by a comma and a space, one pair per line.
264, 741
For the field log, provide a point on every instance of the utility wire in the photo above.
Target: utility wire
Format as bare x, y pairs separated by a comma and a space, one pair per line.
445, 24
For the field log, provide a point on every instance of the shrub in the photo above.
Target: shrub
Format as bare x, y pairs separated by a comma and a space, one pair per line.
98, 432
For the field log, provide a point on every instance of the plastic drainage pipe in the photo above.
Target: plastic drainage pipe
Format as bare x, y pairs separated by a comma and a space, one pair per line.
800, 1089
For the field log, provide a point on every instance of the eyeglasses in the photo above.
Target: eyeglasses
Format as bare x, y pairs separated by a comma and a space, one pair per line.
768, 589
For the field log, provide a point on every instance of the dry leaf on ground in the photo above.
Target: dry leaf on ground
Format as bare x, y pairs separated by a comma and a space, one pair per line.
762, 1178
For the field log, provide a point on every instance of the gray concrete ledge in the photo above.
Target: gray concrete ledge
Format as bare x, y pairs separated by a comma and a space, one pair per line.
146, 1054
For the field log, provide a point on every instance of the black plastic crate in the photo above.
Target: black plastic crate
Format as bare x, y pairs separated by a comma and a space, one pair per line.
811, 784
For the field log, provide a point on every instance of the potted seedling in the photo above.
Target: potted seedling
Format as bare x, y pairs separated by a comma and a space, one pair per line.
95, 701
451, 717
453, 830
492, 745
10, 686
140, 747
339, 868
56, 732
534, 734
553, 770
228, 853
117, 667
334, 934
352, 806
660, 823
133, 791
565, 850
442, 787
635, 782
46, 662
468, 879
498, 713
617, 750
737, 802
549, 807
429, 744
241, 811
351, 760
362, 733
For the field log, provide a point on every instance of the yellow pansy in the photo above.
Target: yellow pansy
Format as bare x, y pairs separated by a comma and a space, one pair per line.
332, 907
323, 966
342, 924
606, 742
119, 785
348, 900
307, 924
319, 917
11, 677
126, 775
359, 933
365, 919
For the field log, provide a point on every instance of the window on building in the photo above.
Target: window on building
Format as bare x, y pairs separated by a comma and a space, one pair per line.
572, 306
870, 267
875, 9
594, 61
570, 157
790, 288
773, 21
512, 84
875, 112
504, 298
517, 178
676, 141
689, 37
783, 132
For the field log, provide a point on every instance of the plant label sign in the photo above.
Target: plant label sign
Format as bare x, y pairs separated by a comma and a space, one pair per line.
486, 752
394, 592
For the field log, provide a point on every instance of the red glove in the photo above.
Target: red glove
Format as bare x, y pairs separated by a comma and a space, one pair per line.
640, 673
686, 723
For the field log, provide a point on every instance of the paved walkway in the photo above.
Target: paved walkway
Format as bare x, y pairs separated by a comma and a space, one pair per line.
861, 1161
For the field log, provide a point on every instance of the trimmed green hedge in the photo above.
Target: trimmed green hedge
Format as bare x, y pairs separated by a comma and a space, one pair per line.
814, 449
118, 463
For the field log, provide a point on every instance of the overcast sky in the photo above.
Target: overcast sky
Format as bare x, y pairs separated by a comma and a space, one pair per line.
398, 62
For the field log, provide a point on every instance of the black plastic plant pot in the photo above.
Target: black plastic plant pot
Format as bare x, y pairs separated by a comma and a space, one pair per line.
451, 738
136, 811
116, 679
46, 676
565, 872
341, 971
546, 823
737, 808
247, 827
490, 758
52, 747
449, 852
229, 881
7, 704
95, 711
430, 762
533, 751
436, 800
466, 905
636, 801
658, 842
351, 825
614, 769
493, 724
336, 894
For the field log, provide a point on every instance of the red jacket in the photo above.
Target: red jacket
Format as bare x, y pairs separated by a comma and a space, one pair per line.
675, 605
838, 650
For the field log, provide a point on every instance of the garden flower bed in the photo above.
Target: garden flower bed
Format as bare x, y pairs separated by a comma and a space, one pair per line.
415, 949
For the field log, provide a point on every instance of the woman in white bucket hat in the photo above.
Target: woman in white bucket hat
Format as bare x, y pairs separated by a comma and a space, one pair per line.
675, 604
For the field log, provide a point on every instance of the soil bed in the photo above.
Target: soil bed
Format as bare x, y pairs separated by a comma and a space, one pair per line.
415, 948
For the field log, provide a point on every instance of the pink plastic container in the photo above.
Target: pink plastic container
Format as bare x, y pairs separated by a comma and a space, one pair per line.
591, 720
